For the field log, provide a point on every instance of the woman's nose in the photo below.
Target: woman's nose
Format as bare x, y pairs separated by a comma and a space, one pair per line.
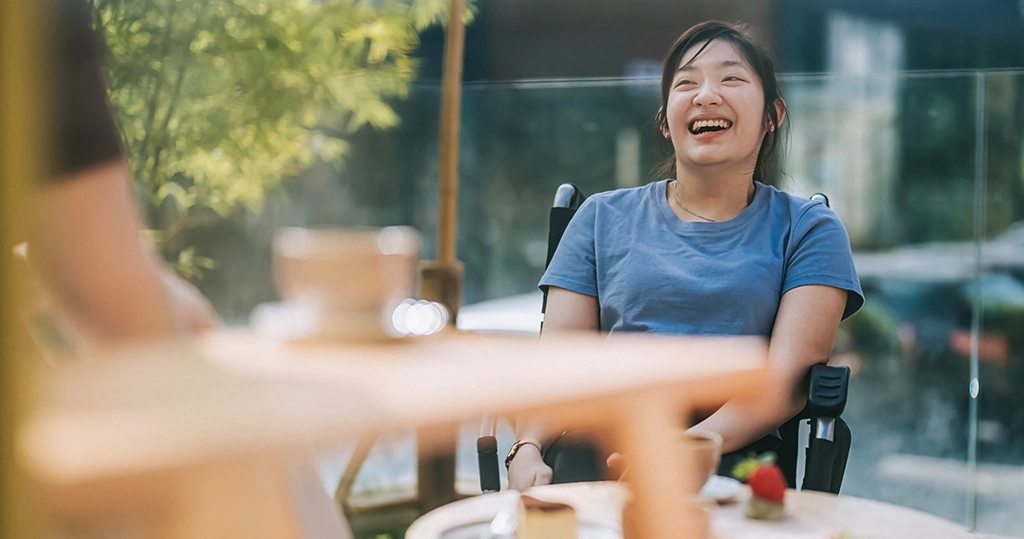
706, 96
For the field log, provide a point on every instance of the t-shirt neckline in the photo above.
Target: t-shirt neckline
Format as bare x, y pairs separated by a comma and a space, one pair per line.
660, 193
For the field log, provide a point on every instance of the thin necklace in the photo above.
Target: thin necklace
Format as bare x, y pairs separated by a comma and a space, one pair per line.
675, 189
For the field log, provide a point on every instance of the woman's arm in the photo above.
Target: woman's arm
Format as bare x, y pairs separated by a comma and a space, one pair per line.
567, 311
570, 311
87, 249
804, 334
86, 246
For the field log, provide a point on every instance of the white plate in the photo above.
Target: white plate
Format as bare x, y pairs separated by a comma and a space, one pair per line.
481, 530
721, 489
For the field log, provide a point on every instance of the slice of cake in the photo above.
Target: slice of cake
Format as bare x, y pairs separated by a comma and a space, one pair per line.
539, 519
767, 493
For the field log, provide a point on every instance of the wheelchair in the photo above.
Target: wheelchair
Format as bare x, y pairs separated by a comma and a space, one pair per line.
828, 446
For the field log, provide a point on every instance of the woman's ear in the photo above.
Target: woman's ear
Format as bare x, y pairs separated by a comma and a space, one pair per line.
663, 123
780, 113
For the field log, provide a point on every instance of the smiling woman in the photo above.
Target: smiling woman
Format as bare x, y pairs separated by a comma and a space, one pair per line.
715, 62
710, 250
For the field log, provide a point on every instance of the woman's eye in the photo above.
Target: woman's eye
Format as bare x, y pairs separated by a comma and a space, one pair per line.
684, 82
734, 79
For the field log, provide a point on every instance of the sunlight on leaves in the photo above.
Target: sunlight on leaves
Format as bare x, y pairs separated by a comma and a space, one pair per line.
220, 101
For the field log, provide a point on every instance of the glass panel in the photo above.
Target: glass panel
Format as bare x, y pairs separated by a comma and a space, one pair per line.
520, 141
893, 154
900, 151
1001, 344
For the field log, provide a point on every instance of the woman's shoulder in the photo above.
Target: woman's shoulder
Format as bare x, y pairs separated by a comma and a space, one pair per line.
627, 197
796, 208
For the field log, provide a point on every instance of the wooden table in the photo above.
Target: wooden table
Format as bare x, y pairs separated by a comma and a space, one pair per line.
153, 421
809, 515
818, 515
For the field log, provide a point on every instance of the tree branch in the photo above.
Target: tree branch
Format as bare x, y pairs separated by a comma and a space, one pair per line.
155, 98
186, 223
175, 96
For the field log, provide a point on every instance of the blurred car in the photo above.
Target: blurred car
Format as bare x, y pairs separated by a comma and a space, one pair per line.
917, 329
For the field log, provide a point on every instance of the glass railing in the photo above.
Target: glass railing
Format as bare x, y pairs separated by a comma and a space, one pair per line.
924, 169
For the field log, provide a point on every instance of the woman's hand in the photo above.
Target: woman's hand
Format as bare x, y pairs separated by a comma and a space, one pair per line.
192, 311
567, 311
527, 469
616, 463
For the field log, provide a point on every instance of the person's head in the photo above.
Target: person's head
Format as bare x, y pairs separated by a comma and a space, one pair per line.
720, 100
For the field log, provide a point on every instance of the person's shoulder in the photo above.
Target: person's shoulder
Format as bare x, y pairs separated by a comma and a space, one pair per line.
796, 204
624, 197
798, 208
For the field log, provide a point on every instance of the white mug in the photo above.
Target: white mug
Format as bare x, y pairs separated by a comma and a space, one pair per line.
348, 281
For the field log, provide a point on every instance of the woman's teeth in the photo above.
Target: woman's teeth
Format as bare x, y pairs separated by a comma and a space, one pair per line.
701, 126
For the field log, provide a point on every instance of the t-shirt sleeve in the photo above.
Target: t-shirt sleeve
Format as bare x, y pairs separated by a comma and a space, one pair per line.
820, 254
574, 264
84, 133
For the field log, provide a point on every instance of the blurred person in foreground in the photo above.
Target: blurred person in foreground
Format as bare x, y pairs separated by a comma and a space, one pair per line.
710, 250
85, 243
85, 239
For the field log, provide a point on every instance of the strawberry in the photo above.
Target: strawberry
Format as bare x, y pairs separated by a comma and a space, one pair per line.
743, 468
767, 483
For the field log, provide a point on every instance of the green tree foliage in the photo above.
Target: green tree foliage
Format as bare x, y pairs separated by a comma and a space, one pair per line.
220, 100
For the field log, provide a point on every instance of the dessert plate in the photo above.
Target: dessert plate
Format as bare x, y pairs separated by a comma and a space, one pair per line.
481, 530
721, 489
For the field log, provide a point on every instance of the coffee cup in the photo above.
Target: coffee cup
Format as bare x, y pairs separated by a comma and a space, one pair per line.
347, 282
702, 452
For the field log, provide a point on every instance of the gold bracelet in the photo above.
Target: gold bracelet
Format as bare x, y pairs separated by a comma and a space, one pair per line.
515, 449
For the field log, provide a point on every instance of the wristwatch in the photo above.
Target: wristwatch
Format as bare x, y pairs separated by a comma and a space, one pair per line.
515, 449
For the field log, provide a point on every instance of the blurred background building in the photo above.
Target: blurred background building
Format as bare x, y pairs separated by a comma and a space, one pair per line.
535, 39
514, 40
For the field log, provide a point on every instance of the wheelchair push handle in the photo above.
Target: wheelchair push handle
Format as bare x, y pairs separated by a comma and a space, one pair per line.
568, 196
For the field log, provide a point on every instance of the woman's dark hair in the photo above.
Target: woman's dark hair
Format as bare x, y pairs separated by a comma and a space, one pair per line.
756, 51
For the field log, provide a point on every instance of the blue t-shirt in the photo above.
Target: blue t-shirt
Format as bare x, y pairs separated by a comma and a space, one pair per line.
653, 272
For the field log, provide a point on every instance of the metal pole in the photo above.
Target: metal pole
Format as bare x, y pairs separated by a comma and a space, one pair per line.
979, 234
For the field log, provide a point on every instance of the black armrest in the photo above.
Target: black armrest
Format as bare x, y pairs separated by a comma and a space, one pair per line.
829, 444
827, 391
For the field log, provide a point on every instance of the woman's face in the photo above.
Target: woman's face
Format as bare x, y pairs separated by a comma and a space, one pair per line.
715, 110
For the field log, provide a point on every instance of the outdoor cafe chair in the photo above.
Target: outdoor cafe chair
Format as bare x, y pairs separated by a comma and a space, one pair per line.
829, 440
